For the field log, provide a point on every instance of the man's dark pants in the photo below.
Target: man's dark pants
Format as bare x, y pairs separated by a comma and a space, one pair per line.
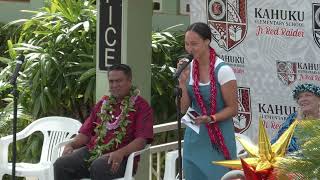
73, 166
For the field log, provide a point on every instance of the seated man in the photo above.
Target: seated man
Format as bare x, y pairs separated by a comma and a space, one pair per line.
118, 125
308, 99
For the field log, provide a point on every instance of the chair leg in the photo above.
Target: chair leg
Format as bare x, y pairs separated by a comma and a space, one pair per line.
39, 177
45, 176
31, 178
1, 176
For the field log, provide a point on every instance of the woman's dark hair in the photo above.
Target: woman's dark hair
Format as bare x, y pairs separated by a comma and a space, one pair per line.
121, 67
202, 29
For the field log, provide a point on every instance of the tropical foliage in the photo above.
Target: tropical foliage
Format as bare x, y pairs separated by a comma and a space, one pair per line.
305, 163
167, 47
58, 74
59, 70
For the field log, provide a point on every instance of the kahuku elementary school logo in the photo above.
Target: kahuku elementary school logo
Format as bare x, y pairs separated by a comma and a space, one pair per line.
242, 121
316, 22
287, 72
228, 22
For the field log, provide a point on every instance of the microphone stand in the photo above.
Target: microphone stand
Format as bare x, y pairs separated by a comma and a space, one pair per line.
178, 95
15, 94
14, 128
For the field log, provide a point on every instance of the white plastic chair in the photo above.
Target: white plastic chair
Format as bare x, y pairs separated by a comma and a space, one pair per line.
170, 166
233, 174
55, 130
171, 157
128, 175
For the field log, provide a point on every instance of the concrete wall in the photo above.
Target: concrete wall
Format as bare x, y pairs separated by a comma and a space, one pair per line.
169, 16
136, 46
10, 11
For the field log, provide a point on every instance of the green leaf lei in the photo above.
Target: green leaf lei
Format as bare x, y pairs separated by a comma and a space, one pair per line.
109, 122
307, 87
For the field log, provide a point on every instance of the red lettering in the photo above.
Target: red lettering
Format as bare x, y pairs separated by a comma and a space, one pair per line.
309, 77
271, 31
275, 125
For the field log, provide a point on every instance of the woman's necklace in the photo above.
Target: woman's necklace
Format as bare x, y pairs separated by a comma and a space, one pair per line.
214, 132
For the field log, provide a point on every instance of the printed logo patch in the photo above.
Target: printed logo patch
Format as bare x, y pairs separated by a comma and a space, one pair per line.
243, 120
228, 22
316, 22
287, 72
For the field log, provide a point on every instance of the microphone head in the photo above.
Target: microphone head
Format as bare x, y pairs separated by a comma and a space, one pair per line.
186, 56
190, 57
20, 59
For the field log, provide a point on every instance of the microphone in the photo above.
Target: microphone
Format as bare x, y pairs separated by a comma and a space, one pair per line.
15, 74
183, 66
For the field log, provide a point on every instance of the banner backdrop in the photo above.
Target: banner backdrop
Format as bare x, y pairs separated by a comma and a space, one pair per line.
272, 46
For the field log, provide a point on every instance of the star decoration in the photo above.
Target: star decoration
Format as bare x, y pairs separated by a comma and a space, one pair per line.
252, 174
249, 172
265, 156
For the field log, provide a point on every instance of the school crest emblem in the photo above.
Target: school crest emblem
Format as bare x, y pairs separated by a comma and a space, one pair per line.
243, 120
228, 22
316, 22
287, 72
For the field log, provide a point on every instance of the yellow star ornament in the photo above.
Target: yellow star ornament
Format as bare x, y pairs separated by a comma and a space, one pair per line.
265, 155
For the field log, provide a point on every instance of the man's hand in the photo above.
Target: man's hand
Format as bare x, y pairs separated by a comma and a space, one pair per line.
67, 149
114, 158
77, 142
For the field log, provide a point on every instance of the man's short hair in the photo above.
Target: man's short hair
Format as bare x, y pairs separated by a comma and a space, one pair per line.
121, 67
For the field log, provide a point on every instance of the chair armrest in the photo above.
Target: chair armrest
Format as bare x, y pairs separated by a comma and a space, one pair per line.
6, 141
129, 167
55, 151
233, 174
242, 154
4, 145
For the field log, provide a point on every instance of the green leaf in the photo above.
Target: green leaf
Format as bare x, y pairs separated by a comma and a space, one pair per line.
19, 21
75, 27
36, 107
43, 102
5, 60
12, 52
90, 88
88, 74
